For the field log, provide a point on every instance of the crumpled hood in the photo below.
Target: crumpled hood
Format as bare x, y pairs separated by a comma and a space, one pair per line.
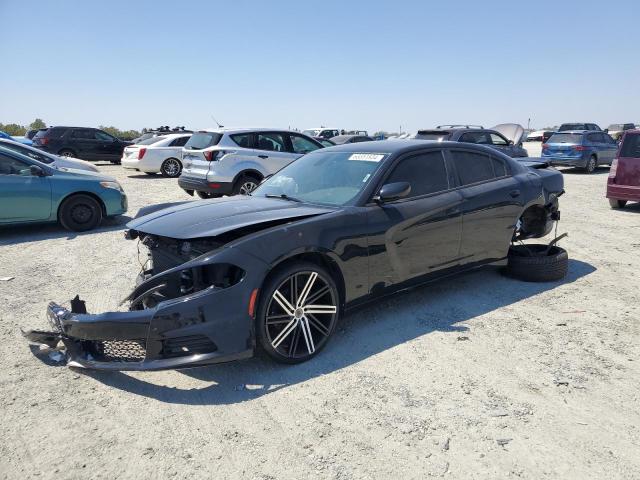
209, 218
513, 131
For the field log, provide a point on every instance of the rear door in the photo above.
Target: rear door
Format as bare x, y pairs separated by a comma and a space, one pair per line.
23, 196
492, 204
419, 234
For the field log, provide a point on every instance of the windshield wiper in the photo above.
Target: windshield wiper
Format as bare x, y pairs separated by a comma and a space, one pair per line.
283, 196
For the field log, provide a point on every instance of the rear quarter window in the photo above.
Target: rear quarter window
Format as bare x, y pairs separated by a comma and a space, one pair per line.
631, 146
472, 167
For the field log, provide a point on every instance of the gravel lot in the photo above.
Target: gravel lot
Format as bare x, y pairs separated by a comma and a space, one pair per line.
478, 376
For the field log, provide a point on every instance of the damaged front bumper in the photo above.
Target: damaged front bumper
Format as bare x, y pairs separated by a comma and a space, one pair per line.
208, 326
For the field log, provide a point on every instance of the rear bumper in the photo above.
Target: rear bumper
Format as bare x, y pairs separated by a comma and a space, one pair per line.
567, 161
190, 184
623, 192
142, 165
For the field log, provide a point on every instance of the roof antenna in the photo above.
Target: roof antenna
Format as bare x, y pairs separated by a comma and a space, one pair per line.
219, 126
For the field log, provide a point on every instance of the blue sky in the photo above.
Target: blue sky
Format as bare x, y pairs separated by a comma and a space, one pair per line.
360, 64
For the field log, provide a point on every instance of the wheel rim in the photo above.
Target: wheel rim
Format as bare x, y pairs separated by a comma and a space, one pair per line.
171, 167
67, 154
81, 214
247, 187
300, 315
592, 164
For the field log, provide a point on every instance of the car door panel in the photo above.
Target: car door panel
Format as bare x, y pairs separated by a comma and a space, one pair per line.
414, 237
24, 198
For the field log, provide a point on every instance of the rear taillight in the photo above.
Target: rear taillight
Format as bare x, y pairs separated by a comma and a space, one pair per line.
545, 146
214, 155
614, 168
141, 153
579, 148
44, 141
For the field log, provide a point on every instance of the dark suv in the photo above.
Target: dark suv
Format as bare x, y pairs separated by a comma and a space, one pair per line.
80, 142
506, 137
569, 127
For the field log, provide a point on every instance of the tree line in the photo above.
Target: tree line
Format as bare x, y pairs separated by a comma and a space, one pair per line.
17, 130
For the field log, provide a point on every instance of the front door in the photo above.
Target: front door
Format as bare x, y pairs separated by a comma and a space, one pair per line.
420, 234
23, 196
271, 149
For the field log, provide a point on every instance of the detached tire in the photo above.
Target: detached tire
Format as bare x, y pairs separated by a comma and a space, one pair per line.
531, 264
80, 213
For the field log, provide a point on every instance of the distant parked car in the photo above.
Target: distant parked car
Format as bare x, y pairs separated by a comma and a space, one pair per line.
325, 142
344, 139
506, 137
222, 161
322, 132
615, 130
48, 158
161, 154
80, 142
31, 191
623, 184
534, 140
23, 140
570, 127
583, 149
156, 132
32, 133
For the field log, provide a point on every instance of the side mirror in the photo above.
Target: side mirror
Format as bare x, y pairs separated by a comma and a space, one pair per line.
37, 171
511, 142
393, 191
606, 130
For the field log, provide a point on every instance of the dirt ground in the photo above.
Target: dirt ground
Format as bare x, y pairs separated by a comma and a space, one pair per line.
477, 376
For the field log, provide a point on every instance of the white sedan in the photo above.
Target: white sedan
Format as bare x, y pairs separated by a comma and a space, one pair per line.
161, 154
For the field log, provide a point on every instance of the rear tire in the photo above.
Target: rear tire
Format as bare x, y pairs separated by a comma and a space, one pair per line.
617, 203
592, 164
531, 264
171, 168
67, 152
80, 213
245, 185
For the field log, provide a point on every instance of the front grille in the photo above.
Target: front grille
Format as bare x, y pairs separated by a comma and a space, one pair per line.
119, 350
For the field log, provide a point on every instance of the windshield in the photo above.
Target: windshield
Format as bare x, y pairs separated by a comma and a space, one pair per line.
328, 178
572, 126
565, 138
311, 133
436, 136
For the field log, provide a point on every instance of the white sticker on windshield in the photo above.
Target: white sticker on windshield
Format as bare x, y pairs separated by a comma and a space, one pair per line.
367, 157
366, 177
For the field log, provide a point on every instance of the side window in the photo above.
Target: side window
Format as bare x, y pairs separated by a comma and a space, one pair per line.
272, 142
498, 140
302, 145
83, 134
11, 166
481, 138
472, 167
425, 172
242, 139
499, 167
179, 142
593, 138
103, 137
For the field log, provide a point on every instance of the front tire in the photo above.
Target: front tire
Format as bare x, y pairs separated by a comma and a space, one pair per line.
617, 203
171, 168
592, 164
80, 213
298, 312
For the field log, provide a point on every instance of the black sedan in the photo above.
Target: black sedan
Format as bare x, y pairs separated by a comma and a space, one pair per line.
276, 270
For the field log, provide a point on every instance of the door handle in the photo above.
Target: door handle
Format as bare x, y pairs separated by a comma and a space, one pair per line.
263, 156
514, 193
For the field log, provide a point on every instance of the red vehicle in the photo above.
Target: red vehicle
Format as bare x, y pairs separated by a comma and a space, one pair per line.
623, 184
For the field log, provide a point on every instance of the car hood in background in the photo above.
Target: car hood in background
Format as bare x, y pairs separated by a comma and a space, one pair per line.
209, 218
512, 131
